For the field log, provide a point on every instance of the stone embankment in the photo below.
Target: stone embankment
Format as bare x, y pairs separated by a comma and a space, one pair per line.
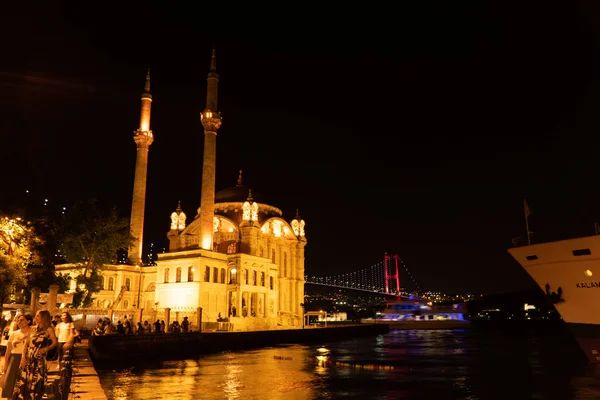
85, 383
176, 345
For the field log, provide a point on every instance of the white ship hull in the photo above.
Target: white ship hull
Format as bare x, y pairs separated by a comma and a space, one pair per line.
568, 271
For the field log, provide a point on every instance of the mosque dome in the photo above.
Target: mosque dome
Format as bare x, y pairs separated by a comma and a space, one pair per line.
237, 194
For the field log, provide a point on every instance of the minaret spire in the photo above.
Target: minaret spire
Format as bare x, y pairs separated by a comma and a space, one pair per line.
211, 121
146, 105
147, 86
213, 61
143, 138
213, 83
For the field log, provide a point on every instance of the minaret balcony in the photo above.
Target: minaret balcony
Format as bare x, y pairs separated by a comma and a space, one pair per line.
211, 120
139, 132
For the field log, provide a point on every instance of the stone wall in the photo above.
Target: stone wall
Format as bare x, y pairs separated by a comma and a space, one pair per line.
177, 345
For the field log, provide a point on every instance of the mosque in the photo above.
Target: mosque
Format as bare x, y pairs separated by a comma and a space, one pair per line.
239, 260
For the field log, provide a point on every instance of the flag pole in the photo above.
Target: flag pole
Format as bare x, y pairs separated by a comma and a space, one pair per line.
526, 208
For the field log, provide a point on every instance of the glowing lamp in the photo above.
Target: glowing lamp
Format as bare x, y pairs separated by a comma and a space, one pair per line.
206, 243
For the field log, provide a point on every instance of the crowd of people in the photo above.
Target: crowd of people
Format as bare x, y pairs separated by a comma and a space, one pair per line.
104, 326
32, 341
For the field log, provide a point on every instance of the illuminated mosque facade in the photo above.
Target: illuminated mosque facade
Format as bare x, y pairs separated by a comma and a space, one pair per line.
238, 260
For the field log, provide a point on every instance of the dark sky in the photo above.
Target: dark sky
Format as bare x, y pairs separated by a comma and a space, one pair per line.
415, 130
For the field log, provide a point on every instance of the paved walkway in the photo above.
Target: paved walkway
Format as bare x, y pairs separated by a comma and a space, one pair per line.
85, 384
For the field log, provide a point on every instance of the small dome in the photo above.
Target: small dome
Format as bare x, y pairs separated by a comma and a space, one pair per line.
237, 194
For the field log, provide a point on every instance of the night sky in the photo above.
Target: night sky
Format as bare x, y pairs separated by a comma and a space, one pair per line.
415, 130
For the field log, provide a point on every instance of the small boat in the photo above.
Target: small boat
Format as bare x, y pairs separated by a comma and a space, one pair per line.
413, 313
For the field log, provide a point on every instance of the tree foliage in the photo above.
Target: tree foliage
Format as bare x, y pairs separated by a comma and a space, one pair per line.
19, 249
91, 239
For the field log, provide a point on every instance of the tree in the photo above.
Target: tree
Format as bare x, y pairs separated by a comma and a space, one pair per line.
19, 247
91, 240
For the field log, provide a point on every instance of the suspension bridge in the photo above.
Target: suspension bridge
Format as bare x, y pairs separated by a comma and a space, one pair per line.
382, 277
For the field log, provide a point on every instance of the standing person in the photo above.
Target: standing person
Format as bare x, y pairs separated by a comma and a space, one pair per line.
14, 351
127, 326
13, 325
32, 369
64, 333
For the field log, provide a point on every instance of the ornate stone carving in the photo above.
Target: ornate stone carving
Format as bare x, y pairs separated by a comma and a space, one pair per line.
277, 228
298, 225
246, 211
211, 120
143, 139
255, 212
178, 219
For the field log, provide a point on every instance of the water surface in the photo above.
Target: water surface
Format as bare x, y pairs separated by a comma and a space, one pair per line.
529, 362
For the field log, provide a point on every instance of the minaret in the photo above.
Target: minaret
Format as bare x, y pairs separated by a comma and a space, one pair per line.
143, 139
211, 121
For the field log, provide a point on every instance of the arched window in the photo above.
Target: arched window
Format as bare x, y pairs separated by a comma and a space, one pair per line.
166, 275
125, 304
285, 264
261, 251
246, 277
262, 279
222, 275
273, 256
254, 280
101, 283
111, 283
178, 274
190, 274
128, 284
233, 276
207, 274
232, 248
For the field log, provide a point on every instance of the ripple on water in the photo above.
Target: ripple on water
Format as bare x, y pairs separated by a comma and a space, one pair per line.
439, 364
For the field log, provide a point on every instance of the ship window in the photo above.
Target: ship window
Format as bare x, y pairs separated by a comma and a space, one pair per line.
582, 252
531, 258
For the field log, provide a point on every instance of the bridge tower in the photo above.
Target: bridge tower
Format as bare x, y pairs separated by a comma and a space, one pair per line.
388, 275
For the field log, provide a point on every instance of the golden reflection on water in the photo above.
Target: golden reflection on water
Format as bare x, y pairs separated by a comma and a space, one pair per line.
417, 365
276, 373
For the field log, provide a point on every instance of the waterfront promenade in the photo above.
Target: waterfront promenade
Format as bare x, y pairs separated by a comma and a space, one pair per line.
110, 348
85, 383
